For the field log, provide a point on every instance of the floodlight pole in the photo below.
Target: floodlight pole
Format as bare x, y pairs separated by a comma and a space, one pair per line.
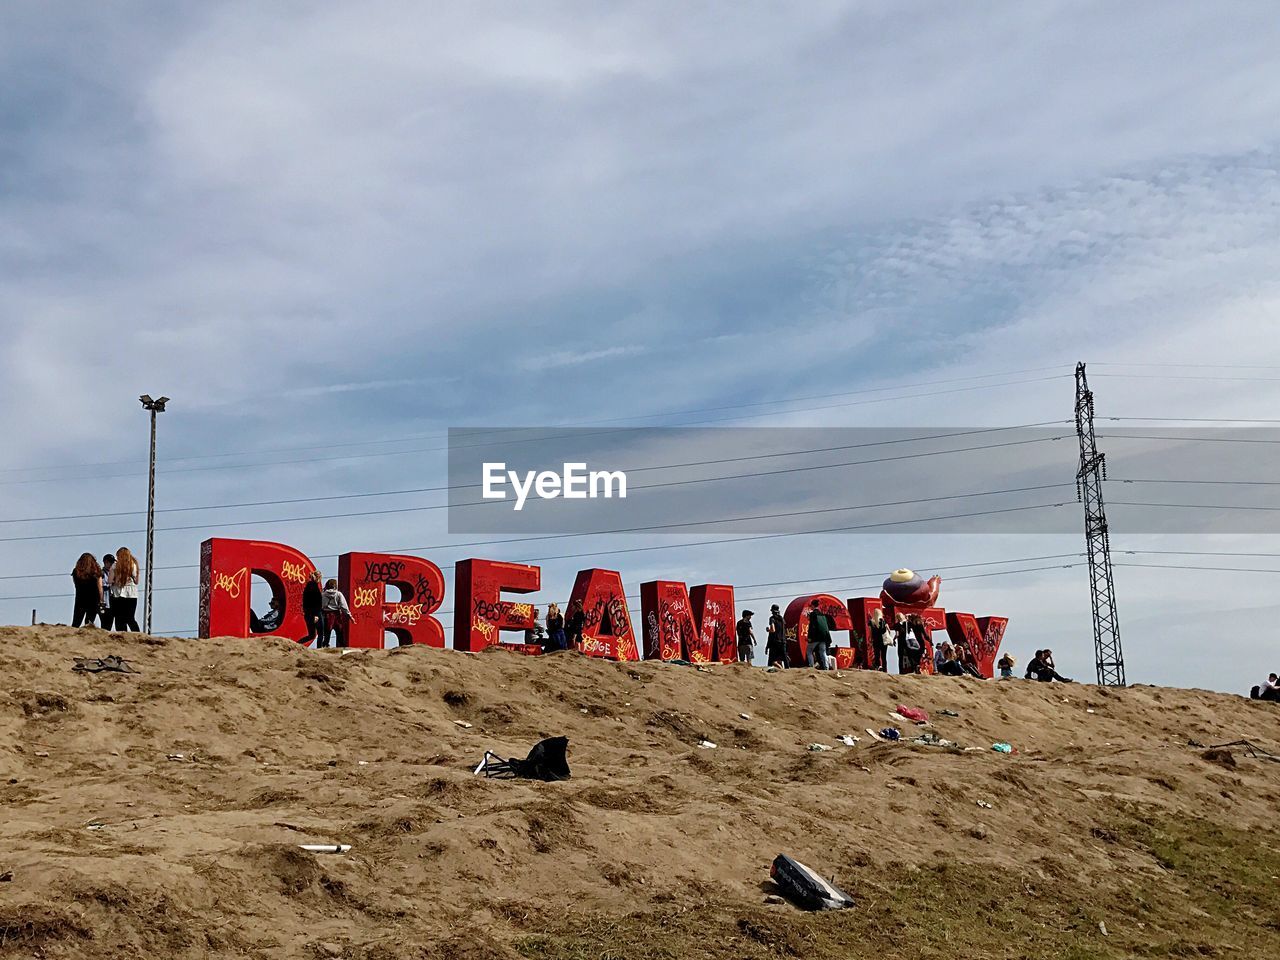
155, 407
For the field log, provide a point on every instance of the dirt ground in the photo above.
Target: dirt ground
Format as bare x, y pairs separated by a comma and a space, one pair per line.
159, 814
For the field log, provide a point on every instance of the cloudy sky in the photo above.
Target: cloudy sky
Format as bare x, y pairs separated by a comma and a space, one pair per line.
332, 231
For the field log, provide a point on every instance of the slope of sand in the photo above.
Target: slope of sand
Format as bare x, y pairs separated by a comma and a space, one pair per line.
118, 847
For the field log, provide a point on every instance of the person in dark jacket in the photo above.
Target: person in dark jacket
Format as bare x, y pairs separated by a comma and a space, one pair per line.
313, 606
950, 666
746, 637
878, 637
819, 638
575, 625
87, 578
556, 639
775, 646
106, 615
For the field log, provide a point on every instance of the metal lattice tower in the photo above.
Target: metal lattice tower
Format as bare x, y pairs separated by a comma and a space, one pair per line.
1097, 538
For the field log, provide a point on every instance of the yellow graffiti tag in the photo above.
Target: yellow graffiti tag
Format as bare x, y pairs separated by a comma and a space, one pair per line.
294, 572
403, 614
365, 597
232, 583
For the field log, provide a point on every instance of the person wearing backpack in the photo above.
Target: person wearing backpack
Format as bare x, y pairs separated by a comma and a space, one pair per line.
336, 615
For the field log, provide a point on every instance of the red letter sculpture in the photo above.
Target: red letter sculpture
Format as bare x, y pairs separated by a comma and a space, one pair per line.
981, 635
365, 578
797, 620
606, 631
226, 569
480, 613
677, 628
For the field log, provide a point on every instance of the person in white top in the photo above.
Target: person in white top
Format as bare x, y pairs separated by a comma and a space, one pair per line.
124, 591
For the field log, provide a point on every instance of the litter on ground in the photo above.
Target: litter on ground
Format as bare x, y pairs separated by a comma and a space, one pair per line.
804, 887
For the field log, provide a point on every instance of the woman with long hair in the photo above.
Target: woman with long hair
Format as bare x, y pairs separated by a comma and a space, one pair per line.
87, 577
556, 639
124, 591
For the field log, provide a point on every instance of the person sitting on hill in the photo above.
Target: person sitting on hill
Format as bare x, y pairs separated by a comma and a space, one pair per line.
1041, 668
966, 661
270, 621
1270, 690
950, 667
941, 655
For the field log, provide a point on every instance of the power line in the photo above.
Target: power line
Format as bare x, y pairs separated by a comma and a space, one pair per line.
1142, 436
1184, 376
464, 486
1230, 483
1197, 366
428, 449
480, 431
1178, 566
477, 503
1191, 506
729, 539
1191, 419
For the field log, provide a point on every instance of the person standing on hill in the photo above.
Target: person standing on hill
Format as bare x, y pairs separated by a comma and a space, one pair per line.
556, 639
878, 636
1005, 666
746, 638
577, 621
313, 606
87, 578
775, 644
819, 638
336, 613
124, 591
106, 614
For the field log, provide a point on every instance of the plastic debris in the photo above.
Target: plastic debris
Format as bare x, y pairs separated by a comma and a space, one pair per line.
745, 716
706, 745
847, 740
984, 805
805, 888
816, 747
948, 713
932, 740
1102, 929
914, 714
1002, 748
891, 733
463, 724
325, 847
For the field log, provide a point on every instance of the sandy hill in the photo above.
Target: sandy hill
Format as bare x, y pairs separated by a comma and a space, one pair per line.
159, 814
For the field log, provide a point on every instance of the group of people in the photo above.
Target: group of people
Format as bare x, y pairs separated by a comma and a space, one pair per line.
908, 633
106, 591
560, 632
324, 608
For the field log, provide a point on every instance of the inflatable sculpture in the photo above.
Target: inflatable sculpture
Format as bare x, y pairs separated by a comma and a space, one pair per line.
906, 588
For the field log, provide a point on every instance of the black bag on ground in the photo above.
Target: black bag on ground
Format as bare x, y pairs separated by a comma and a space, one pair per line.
546, 761
805, 888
